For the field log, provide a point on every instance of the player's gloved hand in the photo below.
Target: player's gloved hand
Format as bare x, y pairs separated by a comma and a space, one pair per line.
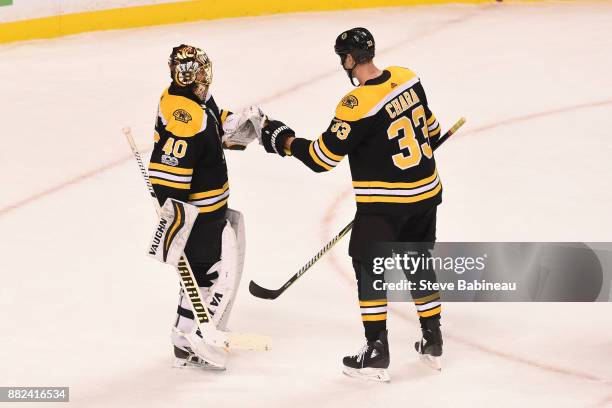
273, 136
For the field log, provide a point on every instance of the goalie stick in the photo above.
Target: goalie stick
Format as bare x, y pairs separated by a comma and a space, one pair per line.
263, 293
210, 333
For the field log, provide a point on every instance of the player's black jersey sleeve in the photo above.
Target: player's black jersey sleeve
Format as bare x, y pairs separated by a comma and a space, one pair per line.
433, 127
340, 139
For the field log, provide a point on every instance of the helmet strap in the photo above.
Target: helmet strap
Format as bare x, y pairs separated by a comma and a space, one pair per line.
349, 72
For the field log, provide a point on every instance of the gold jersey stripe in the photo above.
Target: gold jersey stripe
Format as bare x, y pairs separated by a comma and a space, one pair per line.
209, 193
429, 298
173, 184
223, 116
327, 152
366, 98
213, 207
169, 169
369, 303
434, 132
436, 310
399, 199
314, 156
384, 184
431, 120
374, 318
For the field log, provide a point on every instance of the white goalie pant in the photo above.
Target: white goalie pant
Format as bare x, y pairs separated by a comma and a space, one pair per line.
219, 298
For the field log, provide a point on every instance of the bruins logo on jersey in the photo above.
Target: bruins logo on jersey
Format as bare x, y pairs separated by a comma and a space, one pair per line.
350, 101
182, 115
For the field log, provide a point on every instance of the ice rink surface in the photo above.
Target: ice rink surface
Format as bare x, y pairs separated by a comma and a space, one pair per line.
81, 305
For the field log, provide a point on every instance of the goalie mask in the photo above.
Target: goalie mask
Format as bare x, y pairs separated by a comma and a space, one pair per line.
190, 65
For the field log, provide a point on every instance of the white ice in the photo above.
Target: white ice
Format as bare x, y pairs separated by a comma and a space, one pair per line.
81, 305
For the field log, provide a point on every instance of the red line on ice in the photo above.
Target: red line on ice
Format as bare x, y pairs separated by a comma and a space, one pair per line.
58, 187
524, 118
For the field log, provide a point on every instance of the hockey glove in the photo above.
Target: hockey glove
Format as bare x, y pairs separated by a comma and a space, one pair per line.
242, 128
273, 136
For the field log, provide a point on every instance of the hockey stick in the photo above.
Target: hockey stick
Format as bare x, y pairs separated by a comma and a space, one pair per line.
264, 293
210, 333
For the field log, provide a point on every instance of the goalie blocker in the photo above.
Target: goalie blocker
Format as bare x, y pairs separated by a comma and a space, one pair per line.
169, 239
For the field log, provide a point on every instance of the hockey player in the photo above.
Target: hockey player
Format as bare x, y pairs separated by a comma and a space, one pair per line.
386, 129
188, 164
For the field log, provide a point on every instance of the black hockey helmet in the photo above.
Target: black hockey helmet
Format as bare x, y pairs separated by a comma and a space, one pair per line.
359, 43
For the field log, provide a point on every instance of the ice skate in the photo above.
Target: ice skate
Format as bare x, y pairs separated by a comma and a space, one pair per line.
186, 358
430, 345
214, 357
370, 362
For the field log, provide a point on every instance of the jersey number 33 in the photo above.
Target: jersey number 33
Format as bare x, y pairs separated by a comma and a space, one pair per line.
411, 150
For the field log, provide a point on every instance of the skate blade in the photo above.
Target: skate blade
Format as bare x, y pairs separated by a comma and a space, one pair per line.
368, 373
181, 363
431, 361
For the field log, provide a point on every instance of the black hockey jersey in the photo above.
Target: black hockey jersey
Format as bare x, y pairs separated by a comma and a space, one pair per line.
386, 128
187, 162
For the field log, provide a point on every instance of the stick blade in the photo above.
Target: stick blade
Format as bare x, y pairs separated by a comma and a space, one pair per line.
262, 293
249, 341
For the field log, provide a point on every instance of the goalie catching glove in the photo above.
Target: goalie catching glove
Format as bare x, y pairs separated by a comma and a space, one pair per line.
242, 128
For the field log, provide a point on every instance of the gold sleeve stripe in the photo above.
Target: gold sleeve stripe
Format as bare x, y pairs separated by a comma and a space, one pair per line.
224, 114
383, 184
214, 207
374, 318
209, 193
366, 303
426, 299
431, 119
432, 312
399, 199
181, 186
174, 170
327, 152
316, 158
435, 132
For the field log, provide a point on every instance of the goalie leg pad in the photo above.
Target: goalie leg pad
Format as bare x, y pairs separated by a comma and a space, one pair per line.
184, 321
225, 276
222, 293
